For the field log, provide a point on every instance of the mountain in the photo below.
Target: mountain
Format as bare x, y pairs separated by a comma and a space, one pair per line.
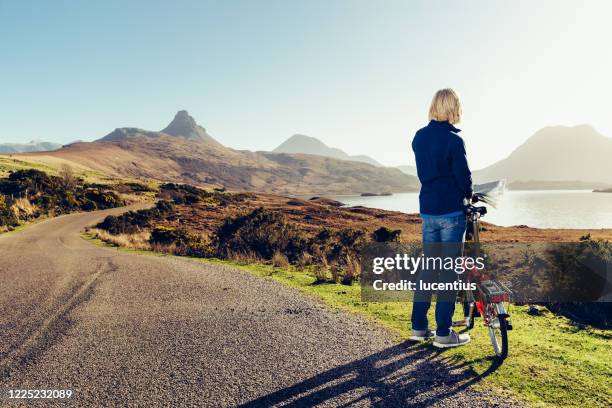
33, 146
310, 145
555, 154
184, 152
183, 126
408, 169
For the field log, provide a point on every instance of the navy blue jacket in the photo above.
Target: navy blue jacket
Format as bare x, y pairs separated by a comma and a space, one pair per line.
442, 169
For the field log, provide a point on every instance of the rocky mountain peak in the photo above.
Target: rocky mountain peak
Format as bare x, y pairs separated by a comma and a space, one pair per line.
184, 125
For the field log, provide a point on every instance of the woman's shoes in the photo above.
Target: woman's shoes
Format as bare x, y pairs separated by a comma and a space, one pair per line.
452, 340
421, 335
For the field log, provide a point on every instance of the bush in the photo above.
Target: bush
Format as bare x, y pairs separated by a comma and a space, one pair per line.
164, 206
113, 225
167, 235
32, 180
323, 235
352, 271
280, 260
58, 195
101, 199
184, 243
384, 234
578, 272
134, 221
262, 232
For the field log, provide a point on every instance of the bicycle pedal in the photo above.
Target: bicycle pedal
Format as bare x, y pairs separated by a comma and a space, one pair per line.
508, 324
457, 323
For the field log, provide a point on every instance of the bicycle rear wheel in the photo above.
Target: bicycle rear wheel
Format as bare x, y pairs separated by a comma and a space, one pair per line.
498, 331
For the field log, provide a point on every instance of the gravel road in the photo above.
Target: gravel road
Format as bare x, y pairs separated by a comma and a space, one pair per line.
122, 329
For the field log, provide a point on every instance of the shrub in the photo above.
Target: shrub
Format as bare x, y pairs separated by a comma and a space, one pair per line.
58, 195
352, 270
321, 274
33, 180
261, 231
133, 221
384, 234
347, 241
279, 260
349, 237
7, 216
183, 242
578, 272
304, 260
112, 224
164, 206
167, 235
243, 258
323, 235
102, 199
577, 268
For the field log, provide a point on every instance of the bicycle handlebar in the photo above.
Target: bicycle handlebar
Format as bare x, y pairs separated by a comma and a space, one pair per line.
471, 209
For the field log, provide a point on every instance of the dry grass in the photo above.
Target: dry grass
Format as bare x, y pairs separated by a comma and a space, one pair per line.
243, 258
139, 240
280, 260
163, 248
23, 209
321, 270
305, 260
352, 271
321, 274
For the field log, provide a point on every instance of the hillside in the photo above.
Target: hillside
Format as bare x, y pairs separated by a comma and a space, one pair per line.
303, 144
33, 146
408, 169
557, 153
184, 152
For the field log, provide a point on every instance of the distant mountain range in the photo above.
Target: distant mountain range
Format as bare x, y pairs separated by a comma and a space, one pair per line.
408, 169
556, 157
33, 146
575, 156
309, 145
185, 152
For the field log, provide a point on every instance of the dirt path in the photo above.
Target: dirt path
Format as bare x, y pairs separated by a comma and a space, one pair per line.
130, 330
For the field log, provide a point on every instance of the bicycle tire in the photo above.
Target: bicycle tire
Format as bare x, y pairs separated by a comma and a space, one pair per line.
500, 346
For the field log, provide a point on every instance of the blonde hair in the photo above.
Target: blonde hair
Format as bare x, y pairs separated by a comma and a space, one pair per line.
445, 106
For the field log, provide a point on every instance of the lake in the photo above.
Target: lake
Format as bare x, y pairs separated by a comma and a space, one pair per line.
541, 209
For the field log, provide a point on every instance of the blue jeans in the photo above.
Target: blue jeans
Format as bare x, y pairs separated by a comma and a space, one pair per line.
442, 237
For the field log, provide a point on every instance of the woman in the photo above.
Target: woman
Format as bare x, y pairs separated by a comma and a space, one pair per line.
446, 181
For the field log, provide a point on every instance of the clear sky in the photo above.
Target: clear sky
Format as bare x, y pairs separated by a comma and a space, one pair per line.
358, 75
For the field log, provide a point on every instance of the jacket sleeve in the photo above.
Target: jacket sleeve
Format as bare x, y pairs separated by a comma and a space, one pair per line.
461, 170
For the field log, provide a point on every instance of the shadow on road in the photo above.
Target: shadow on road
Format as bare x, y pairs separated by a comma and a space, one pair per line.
404, 375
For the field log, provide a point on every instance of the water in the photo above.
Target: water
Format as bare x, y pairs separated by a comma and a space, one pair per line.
541, 209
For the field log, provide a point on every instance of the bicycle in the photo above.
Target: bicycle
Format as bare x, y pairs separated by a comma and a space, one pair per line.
491, 298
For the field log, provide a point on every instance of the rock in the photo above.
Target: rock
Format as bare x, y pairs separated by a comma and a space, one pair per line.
184, 125
534, 311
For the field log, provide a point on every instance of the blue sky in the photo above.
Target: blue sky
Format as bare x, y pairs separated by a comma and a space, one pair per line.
358, 75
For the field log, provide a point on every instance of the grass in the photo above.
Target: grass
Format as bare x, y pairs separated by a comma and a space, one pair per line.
8, 163
52, 165
552, 362
14, 230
